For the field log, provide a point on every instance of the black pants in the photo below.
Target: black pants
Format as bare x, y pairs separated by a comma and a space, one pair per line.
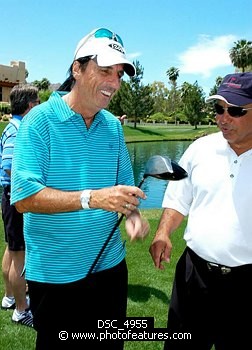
209, 307
75, 309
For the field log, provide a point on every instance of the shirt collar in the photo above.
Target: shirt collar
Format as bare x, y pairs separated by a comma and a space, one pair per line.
58, 104
18, 117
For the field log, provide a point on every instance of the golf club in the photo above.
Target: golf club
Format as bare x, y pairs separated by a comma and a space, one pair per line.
160, 167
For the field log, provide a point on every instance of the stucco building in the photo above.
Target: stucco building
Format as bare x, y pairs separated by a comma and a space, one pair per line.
9, 76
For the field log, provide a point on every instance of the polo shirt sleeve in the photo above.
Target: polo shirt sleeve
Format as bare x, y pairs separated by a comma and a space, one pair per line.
7, 153
28, 168
179, 194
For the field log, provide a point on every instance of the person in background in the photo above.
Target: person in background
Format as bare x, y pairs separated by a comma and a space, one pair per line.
23, 98
211, 298
71, 180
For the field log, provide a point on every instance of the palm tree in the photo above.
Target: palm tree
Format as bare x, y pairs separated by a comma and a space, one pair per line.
42, 84
241, 54
218, 81
173, 74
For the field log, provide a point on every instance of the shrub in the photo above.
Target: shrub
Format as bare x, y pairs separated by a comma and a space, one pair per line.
5, 108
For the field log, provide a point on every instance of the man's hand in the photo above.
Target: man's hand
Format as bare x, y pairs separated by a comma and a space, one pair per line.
136, 226
122, 199
121, 118
160, 250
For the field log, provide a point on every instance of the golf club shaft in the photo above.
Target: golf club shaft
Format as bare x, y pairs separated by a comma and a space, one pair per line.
109, 237
105, 244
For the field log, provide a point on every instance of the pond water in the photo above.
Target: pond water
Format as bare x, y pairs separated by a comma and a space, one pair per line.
140, 152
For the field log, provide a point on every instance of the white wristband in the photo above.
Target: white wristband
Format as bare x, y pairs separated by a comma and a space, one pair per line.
84, 199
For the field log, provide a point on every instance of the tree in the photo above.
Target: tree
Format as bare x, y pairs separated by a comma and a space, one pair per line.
133, 98
44, 95
42, 84
121, 101
173, 74
209, 107
241, 54
135, 84
142, 101
159, 93
193, 99
214, 89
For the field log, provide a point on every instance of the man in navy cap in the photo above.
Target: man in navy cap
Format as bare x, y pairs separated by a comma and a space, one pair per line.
211, 298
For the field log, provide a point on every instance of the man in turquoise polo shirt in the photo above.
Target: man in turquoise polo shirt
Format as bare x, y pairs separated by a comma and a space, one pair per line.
71, 177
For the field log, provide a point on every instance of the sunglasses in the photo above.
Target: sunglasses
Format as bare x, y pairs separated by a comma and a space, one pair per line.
106, 33
233, 111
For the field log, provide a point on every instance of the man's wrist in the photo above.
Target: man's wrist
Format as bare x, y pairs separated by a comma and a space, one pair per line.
85, 199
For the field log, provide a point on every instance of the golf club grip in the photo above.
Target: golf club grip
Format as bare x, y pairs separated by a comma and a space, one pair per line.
105, 244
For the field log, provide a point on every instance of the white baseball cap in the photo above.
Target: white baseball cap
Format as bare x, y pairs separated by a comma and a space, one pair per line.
106, 47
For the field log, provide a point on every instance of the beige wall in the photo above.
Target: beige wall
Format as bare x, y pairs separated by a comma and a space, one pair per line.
9, 76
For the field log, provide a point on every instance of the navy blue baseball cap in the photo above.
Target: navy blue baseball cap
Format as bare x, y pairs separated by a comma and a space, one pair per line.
235, 89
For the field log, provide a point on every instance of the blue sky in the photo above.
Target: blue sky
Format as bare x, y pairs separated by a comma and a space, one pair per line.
192, 35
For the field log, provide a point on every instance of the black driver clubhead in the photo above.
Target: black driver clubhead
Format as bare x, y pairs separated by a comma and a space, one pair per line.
162, 167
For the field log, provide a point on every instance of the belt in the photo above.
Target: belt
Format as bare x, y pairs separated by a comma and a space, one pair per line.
222, 269
217, 268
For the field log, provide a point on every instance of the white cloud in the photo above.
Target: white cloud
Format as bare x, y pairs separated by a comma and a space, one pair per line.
206, 55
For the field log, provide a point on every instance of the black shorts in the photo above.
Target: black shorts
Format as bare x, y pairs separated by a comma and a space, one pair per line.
13, 223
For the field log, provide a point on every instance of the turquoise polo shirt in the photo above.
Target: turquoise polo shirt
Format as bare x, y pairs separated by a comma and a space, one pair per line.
55, 149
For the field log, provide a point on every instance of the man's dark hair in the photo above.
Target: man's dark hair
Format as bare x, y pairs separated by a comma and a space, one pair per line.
70, 81
20, 97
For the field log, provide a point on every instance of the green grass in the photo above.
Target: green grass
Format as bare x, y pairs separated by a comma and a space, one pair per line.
159, 133
13, 336
166, 133
149, 290
2, 126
